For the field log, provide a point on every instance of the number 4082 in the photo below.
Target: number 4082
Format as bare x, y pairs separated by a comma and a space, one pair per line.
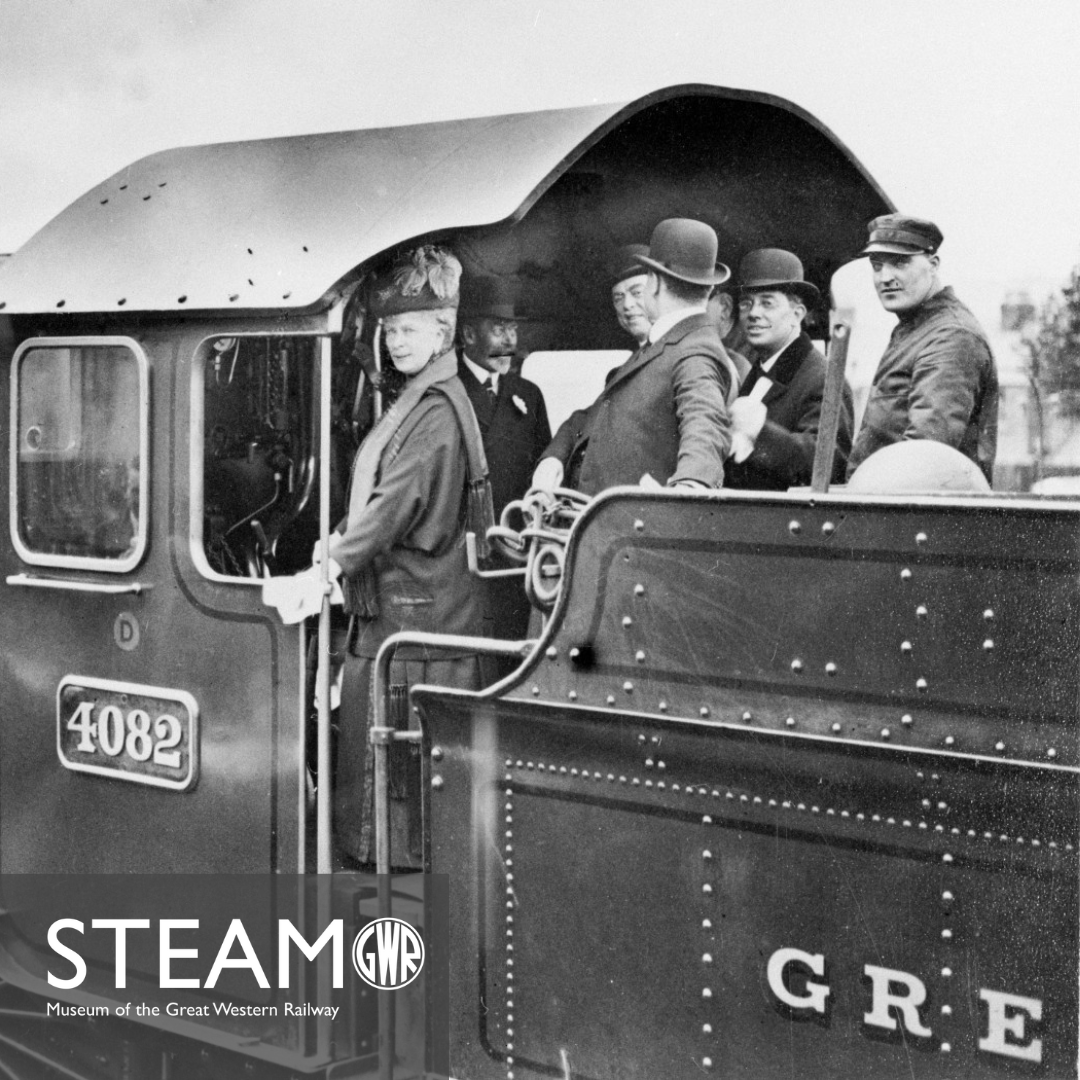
136, 733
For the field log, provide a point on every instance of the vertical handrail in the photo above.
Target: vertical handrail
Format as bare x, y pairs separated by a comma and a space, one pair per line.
381, 736
377, 395
322, 676
832, 403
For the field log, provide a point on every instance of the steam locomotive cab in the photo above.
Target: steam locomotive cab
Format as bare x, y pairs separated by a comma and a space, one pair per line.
686, 744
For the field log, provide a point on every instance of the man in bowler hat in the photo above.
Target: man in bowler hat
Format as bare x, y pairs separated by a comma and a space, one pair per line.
629, 278
663, 415
512, 417
776, 416
936, 379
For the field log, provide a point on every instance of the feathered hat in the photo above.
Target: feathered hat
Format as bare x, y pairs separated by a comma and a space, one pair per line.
425, 279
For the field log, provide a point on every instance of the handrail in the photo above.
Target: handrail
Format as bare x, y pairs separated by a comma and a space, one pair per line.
381, 735
833, 403
111, 589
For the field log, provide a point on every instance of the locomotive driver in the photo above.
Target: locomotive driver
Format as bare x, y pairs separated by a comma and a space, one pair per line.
937, 378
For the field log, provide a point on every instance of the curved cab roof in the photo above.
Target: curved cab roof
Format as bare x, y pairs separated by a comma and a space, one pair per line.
277, 223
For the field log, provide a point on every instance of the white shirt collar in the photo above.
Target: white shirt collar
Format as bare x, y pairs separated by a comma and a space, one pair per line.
666, 322
482, 374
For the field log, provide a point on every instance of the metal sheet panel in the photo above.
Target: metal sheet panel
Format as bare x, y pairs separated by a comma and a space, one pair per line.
612, 918
276, 223
760, 724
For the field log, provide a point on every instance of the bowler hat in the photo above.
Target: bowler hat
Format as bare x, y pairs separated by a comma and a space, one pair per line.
487, 297
899, 234
686, 249
774, 268
626, 262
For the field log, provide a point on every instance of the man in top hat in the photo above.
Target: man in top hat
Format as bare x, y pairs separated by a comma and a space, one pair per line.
663, 417
936, 379
776, 416
512, 417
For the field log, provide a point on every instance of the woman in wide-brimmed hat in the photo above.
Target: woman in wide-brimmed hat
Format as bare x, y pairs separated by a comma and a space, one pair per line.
419, 480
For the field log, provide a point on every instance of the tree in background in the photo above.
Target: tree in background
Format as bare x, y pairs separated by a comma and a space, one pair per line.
1051, 344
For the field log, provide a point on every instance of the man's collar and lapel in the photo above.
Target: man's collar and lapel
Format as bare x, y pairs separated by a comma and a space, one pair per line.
783, 371
483, 403
649, 351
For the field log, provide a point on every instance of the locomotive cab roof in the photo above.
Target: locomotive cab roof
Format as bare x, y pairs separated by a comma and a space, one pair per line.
280, 224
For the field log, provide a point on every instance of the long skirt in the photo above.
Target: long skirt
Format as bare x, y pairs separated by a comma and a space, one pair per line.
354, 791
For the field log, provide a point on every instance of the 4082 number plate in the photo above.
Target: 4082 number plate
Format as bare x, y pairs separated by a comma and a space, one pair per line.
145, 734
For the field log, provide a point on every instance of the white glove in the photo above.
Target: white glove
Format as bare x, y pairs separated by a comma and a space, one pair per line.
297, 596
747, 420
649, 482
548, 475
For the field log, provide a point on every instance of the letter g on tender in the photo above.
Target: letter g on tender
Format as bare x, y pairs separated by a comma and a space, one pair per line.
816, 993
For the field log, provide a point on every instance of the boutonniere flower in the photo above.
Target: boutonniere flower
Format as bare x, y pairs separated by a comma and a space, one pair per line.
522, 407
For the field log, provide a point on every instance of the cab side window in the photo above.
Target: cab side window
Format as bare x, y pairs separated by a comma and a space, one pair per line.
79, 434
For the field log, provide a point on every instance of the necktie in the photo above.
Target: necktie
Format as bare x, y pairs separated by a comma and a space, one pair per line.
752, 377
491, 388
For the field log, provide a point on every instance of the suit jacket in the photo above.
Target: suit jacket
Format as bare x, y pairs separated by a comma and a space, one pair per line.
783, 455
513, 442
663, 413
513, 439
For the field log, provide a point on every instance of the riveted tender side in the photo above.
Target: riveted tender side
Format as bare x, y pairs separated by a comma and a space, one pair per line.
790, 785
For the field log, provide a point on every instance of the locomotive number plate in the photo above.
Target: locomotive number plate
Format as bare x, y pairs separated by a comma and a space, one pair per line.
128, 732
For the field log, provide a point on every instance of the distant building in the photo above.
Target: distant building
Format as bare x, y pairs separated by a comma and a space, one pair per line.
1035, 440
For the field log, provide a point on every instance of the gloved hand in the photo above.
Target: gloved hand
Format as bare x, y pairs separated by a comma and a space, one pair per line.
747, 420
548, 475
299, 595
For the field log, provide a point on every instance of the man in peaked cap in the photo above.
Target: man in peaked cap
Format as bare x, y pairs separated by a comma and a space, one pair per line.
936, 379
512, 417
663, 415
776, 416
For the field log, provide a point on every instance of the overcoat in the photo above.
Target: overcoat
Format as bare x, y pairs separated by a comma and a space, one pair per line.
663, 413
412, 534
937, 381
515, 429
783, 454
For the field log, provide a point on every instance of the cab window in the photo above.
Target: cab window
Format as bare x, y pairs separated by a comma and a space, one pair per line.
255, 445
79, 435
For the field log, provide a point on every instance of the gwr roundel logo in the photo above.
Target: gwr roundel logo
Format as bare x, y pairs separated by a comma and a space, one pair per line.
388, 954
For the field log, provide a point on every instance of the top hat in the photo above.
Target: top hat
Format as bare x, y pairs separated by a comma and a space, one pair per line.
626, 262
487, 297
774, 268
899, 234
425, 279
685, 249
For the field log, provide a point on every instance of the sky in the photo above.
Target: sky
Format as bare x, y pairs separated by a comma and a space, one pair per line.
965, 111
